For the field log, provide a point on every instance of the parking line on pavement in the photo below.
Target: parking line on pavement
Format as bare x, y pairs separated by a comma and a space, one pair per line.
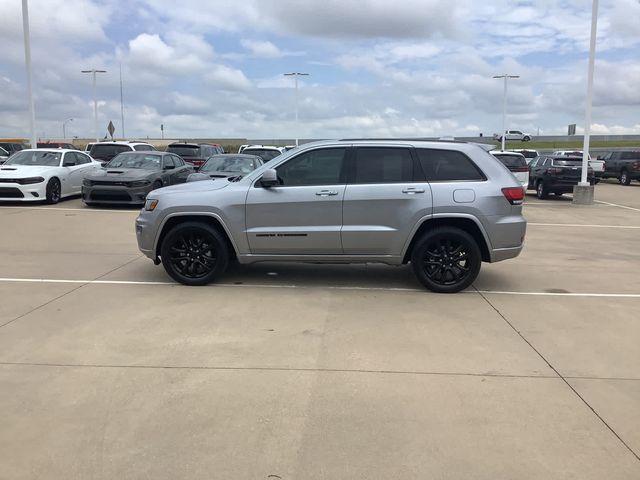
617, 205
328, 287
581, 225
81, 210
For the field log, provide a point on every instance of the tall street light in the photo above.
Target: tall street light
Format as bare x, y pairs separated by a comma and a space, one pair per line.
64, 128
295, 75
504, 105
27, 61
95, 101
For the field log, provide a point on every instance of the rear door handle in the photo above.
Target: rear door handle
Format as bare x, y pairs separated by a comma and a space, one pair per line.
413, 191
326, 193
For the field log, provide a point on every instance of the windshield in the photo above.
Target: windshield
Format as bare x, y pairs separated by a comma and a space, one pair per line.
265, 154
184, 151
577, 162
41, 159
511, 160
229, 164
143, 161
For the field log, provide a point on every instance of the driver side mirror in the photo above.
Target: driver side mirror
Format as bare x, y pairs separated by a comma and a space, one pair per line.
269, 178
103, 164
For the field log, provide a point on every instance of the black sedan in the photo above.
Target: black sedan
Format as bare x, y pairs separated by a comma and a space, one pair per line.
130, 176
227, 165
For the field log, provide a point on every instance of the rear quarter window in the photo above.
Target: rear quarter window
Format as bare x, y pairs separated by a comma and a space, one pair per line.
448, 166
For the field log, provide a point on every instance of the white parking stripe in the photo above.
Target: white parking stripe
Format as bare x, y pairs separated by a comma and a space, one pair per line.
580, 225
617, 205
80, 210
255, 285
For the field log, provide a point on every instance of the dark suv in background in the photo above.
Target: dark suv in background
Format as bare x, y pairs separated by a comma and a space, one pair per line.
625, 166
194, 153
556, 174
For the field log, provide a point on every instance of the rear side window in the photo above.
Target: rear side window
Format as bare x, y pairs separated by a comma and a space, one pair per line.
383, 165
448, 166
630, 155
81, 158
511, 160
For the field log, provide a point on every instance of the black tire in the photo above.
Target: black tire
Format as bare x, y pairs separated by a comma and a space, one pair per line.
625, 179
53, 191
558, 194
446, 260
526, 138
596, 181
194, 253
541, 191
156, 185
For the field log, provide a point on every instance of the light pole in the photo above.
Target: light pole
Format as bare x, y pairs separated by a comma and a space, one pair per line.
295, 75
504, 105
583, 192
95, 101
64, 128
27, 61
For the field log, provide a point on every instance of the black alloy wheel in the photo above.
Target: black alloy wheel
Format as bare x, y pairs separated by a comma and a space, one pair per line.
53, 191
446, 260
194, 253
625, 179
156, 185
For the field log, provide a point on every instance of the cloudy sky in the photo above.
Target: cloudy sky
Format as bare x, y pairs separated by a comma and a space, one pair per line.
213, 68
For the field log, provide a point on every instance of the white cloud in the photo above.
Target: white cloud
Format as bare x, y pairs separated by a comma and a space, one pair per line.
227, 78
261, 48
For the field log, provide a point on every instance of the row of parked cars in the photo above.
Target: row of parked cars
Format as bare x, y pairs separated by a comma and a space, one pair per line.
560, 171
118, 172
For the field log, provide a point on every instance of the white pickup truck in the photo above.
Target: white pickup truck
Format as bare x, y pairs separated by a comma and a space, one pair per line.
596, 165
513, 135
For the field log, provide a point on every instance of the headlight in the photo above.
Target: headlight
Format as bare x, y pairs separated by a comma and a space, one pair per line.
30, 180
86, 182
151, 204
140, 183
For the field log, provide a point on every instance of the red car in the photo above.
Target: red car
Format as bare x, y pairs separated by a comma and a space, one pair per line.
194, 153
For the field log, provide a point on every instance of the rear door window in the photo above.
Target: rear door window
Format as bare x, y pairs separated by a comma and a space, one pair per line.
448, 166
108, 151
143, 148
383, 165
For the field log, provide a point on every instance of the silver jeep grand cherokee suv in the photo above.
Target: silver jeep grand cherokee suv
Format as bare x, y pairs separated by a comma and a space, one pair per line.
445, 207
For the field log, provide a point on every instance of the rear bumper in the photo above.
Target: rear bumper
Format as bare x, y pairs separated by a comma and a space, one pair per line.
499, 254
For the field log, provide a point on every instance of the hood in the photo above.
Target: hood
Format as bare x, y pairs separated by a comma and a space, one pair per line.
201, 186
122, 174
20, 171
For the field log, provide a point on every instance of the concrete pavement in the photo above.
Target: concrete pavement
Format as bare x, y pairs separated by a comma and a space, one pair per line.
316, 372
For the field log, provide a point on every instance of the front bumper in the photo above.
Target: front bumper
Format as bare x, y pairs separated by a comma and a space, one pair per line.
116, 194
14, 192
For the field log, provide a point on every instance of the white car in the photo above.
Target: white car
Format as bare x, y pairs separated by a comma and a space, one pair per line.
514, 135
4, 155
597, 165
266, 152
516, 163
44, 174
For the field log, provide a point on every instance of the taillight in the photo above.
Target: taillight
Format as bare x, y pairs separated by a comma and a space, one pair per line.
514, 195
519, 169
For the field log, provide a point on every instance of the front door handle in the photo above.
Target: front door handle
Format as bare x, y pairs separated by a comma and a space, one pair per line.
326, 193
413, 191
